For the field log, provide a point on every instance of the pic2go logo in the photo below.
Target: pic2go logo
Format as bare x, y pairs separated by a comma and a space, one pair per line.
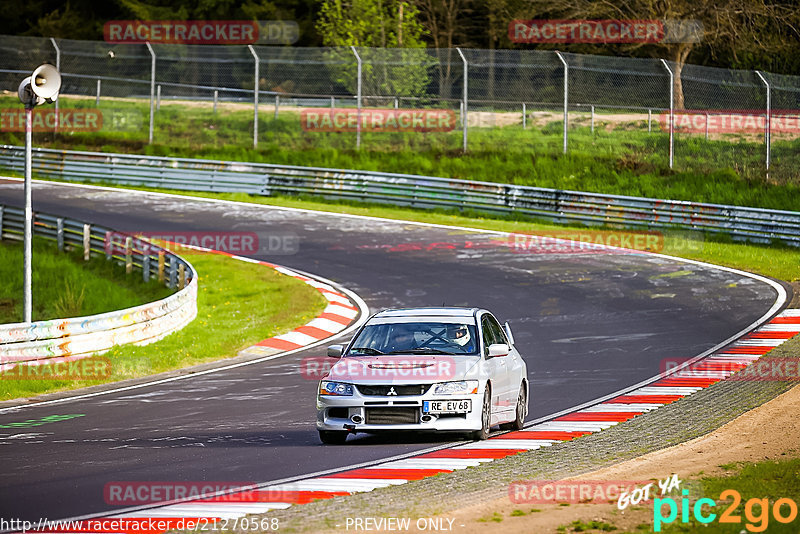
756, 511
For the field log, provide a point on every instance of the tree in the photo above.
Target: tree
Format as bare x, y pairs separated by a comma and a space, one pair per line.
441, 18
732, 25
377, 24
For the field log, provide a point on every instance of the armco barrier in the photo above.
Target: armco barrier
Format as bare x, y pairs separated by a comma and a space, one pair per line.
741, 223
68, 339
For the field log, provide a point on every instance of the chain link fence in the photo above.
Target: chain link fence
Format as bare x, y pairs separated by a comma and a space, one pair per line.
645, 111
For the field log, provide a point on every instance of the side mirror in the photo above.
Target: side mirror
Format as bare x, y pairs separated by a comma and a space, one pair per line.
498, 349
335, 351
507, 328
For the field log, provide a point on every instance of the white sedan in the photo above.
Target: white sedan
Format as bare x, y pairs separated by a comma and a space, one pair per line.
424, 369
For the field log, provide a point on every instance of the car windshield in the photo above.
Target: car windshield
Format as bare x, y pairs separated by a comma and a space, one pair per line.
416, 338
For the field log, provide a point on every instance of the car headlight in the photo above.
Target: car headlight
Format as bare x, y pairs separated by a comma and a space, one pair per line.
463, 387
335, 388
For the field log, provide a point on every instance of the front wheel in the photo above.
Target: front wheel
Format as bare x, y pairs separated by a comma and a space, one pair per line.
522, 407
486, 414
333, 437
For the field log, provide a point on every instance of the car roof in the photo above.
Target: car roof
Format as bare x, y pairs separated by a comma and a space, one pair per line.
443, 311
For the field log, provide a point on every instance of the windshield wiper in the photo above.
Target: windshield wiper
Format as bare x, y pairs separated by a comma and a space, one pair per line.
366, 350
422, 350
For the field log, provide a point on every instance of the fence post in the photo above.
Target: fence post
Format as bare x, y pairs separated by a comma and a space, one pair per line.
181, 276
671, 113
277, 105
158, 98
173, 272
524, 117
97, 100
152, 87
358, 98
464, 99
649, 120
255, 96
128, 255
160, 266
60, 234
109, 245
87, 242
58, 68
146, 268
216, 96
566, 97
767, 126
592, 118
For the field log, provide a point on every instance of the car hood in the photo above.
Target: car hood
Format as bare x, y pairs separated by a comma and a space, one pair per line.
403, 369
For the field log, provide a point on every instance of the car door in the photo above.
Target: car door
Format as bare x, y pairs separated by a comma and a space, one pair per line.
498, 370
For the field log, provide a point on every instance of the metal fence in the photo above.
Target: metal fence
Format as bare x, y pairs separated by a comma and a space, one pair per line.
74, 338
674, 114
753, 224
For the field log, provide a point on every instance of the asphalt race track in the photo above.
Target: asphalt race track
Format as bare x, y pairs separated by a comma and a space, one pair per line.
588, 325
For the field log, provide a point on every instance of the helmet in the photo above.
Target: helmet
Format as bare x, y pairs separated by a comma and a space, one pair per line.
458, 334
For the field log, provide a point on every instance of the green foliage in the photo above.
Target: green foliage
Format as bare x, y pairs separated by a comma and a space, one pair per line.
583, 526
615, 161
371, 23
399, 70
70, 302
63, 285
238, 304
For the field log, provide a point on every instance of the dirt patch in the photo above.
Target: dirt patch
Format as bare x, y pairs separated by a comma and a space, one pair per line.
796, 294
741, 440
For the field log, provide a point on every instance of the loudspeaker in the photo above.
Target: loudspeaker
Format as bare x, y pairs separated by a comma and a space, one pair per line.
46, 82
40, 87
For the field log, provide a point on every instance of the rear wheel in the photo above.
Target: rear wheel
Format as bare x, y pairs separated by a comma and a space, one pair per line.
486, 415
522, 407
333, 437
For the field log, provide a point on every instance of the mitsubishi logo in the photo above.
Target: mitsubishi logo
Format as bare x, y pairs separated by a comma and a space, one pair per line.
392, 391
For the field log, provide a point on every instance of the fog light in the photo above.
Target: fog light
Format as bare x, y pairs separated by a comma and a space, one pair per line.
356, 419
426, 418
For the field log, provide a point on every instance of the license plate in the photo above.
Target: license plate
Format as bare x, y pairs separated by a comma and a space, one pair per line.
449, 406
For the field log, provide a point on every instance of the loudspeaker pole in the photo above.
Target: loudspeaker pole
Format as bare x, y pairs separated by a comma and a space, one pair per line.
41, 87
28, 215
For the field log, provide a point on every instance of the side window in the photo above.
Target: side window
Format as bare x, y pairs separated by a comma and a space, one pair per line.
497, 330
488, 334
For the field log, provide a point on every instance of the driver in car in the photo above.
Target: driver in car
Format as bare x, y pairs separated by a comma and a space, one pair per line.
404, 340
458, 334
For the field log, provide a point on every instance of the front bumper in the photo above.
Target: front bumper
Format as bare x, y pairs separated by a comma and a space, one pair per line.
354, 412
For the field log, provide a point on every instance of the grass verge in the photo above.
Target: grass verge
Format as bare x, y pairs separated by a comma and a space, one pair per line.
63, 285
618, 159
759, 486
239, 303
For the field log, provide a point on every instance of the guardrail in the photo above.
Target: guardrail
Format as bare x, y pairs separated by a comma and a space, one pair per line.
74, 338
741, 223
